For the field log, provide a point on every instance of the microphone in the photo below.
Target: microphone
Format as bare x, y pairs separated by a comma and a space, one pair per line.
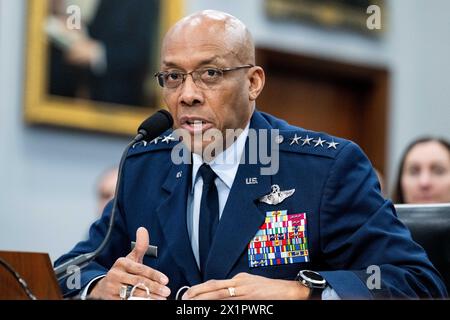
150, 129
153, 126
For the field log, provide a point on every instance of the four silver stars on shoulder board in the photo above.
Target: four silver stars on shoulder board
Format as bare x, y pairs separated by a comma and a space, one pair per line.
307, 140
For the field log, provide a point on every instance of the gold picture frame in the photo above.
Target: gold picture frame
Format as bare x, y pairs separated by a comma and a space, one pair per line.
346, 14
40, 108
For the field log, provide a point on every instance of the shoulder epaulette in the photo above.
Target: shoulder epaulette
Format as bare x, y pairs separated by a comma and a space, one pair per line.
164, 142
310, 142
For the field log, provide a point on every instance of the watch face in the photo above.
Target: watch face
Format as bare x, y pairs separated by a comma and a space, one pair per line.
312, 275
312, 279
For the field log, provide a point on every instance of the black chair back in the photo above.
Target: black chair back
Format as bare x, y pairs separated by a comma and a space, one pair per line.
430, 227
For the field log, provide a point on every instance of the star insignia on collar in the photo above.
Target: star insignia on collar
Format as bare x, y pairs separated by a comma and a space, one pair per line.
139, 143
319, 142
332, 144
295, 140
155, 141
307, 140
168, 139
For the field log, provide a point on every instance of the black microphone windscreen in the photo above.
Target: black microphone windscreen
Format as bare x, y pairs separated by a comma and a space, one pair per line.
155, 125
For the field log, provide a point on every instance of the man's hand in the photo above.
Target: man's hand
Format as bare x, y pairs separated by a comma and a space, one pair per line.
131, 271
248, 287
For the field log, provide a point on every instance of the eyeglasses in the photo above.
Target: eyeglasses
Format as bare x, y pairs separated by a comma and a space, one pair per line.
205, 78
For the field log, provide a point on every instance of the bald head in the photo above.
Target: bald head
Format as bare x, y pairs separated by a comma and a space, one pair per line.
211, 26
217, 52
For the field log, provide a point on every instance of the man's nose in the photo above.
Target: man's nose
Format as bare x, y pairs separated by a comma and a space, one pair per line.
191, 94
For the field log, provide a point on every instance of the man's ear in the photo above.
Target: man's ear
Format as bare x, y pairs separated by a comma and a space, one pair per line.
257, 79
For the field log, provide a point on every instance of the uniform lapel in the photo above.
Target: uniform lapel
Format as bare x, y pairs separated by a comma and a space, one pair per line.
241, 217
172, 216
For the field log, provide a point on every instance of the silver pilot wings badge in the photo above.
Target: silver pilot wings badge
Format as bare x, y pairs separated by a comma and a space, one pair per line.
276, 196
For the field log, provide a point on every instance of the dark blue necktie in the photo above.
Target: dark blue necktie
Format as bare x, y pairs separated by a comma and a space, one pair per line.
209, 213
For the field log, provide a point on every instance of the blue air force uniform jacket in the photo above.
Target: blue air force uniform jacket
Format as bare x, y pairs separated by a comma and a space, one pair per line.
348, 226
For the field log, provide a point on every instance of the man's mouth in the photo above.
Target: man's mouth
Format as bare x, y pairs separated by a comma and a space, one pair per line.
195, 125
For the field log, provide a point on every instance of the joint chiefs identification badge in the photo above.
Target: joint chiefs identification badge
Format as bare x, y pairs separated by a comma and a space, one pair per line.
280, 240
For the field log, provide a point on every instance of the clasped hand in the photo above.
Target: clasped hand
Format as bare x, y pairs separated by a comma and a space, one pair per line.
245, 286
130, 270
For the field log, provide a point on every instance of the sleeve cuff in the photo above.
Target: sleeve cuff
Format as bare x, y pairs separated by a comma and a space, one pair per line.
329, 294
346, 285
85, 291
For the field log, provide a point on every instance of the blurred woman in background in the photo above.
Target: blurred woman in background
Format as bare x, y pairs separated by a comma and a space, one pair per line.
424, 173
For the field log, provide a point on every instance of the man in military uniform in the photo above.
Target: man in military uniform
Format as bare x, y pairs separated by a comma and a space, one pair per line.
317, 227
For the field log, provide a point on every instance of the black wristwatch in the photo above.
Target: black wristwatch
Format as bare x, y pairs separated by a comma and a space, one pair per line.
314, 281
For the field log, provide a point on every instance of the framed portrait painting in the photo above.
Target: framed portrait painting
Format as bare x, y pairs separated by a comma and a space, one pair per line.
90, 63
350, 15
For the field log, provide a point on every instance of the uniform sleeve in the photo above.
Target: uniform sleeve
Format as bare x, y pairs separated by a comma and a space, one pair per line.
115, 248
359, 229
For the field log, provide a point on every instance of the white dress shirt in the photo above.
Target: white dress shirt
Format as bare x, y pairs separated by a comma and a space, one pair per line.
225, 166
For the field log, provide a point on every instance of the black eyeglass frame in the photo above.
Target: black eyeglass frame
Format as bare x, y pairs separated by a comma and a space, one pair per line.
160, 75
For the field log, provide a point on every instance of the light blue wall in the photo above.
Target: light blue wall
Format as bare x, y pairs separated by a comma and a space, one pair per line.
420, 62
47, 176
295, 37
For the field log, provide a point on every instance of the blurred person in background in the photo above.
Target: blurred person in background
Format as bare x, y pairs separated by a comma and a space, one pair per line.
424, 172
106, 186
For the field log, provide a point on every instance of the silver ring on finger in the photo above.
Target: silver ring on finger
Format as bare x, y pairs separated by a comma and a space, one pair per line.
125, 291
142, 286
